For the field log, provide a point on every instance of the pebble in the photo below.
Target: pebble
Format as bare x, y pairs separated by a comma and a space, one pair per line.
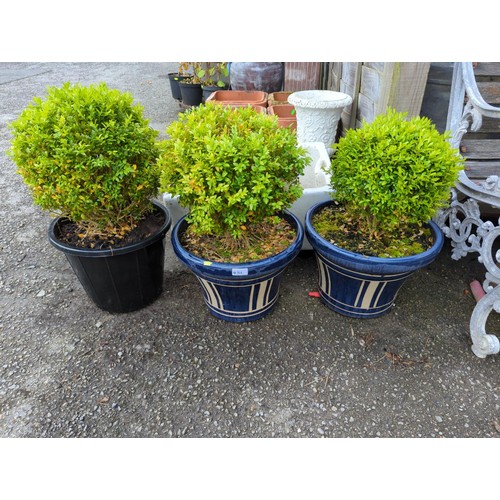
439, 419
41, 293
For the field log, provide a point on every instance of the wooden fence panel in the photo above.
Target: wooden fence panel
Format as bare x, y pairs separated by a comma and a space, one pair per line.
375, 86
302, 76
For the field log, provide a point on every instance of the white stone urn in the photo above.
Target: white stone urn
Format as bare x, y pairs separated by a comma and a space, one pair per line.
318, 113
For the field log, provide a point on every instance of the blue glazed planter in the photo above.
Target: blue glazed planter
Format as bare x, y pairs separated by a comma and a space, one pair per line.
239, 292
358, 286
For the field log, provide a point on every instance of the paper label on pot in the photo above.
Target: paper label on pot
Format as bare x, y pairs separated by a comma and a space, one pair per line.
243, 271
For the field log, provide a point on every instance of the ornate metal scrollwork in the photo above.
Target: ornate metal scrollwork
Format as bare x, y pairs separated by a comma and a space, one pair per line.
462, 223
470, 117
492, 183
484, 344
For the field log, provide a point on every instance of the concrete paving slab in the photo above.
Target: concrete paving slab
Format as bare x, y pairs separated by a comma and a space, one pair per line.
12, 75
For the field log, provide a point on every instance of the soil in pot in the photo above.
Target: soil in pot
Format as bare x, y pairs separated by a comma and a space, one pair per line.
261, 240
76, 235
339, 228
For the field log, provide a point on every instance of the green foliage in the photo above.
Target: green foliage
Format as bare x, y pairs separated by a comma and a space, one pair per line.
394, 173
87, 153
215, 73
194, 70
184, 68
230, 167
206, 73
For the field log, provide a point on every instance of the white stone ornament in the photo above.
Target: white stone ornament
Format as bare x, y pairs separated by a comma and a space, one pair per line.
318, 114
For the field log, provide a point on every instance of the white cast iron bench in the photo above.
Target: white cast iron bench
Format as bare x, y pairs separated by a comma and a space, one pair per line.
472, 220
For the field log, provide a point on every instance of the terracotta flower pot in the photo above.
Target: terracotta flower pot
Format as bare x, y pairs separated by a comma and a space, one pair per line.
240, 97
278, 98
286, 115
208, 90
257, 107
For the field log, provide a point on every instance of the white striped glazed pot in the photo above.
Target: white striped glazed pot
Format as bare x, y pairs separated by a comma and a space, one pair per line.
239, 292
359, 286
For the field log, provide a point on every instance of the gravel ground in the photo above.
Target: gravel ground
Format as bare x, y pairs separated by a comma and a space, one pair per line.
68, 369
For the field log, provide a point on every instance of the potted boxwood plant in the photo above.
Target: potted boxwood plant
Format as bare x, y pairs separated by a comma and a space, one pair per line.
236, 171
388, 179
89, 156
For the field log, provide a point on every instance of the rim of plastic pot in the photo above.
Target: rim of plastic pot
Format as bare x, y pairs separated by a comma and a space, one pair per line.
83, 252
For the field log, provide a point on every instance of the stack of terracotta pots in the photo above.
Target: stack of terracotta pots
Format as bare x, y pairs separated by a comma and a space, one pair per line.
275, 103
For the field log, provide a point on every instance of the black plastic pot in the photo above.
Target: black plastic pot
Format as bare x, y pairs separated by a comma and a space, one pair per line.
191, 93
174, 79
123, 279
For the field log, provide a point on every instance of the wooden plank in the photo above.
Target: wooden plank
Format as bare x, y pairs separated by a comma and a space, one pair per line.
489, 70
348, 110
334, 78
366, 109
490, 125
490, 92
375, 86
386, 89
371, 81
408, 86
484, 149
377, 66
349, 73
302, 76
482, 169
349, 84
355, 102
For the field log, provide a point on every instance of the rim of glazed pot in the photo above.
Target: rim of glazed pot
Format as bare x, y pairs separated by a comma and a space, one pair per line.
396, 264
252, 268
319, 99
